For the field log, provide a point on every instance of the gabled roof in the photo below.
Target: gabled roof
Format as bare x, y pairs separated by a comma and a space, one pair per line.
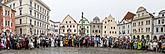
70, 17
128, 16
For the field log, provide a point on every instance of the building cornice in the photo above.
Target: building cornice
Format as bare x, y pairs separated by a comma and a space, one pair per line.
42, 3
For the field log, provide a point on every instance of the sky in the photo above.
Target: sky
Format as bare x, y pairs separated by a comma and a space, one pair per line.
101, 8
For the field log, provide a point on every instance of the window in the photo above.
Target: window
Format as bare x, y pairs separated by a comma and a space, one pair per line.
30, 2
162, 15
56, 30
162, 21
20, 1
98, 26
34, 5
141, 30
142, 14
37, 23
37, 7
158, 21
66, 22
63, 30
128, 31
142, 23
99, 31
5, 12
34, 14
161, 29
110, 32
87, 27
73, 26
105, 27
113, 27
96, 31
20, 11
94, 26
108, 20
105, 22
40, 24
30, 21
157, 29
93, 31
74, 30
139, 23
87, 31
67, 26
20, 30
20, 20
8, 23
104, 31
30, 12
69, 21
148, 22
128, 26
11, 24
10, 6
70, 26
34, 22
13, 5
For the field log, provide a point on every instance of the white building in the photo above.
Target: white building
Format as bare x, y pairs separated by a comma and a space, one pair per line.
125, 28
110, 28
159, 24
68, 26
142, 24
54, 27
96, 27
32, 16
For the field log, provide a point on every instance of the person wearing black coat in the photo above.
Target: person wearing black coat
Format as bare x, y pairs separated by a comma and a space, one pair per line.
26, 43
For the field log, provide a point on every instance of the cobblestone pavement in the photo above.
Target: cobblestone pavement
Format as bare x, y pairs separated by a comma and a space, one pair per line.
64, 50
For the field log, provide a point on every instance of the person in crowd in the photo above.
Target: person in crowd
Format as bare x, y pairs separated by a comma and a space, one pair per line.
66, 42
26, 43
76, 42
52, 42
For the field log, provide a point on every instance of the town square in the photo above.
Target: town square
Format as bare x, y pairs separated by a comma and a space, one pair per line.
82, 27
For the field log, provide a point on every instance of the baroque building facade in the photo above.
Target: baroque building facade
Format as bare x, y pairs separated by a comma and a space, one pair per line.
159, 24
142, 24
68, 26
110, 28
125, 28
32, 16
96, 27
7, 19
84, 24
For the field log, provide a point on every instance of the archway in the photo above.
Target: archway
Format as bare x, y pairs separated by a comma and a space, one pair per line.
138, 37
148, 37
134, 37
142, 37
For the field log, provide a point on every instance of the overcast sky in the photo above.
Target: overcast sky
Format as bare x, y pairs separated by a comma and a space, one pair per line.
100, 8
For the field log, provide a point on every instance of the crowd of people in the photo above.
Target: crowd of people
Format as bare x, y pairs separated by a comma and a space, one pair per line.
30, 42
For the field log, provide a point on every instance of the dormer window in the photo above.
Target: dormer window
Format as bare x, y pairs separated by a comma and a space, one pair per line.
162, 15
